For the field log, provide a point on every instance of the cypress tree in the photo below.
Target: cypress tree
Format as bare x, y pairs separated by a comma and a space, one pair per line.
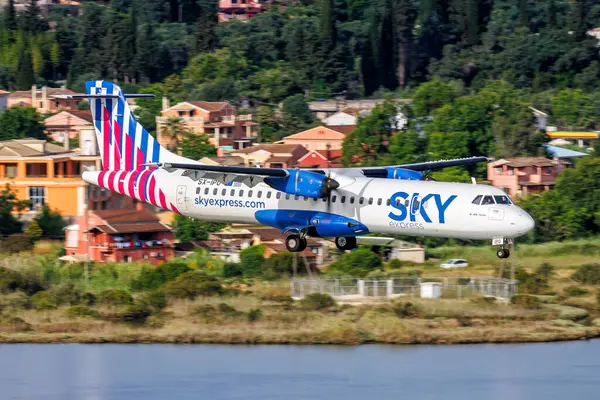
25, 78
328, 32
205, 37
523, 13
472, 22
404, 15
10, 16
146, 54
552, 14
32, 19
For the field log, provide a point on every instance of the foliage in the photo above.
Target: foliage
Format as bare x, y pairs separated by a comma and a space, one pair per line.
33, 231
16, 244
588, 274
252, 260
255, 314
9, 202
114, 297
11, 281
196, 146
317, 301
232, 270
526, 301
405, 309
154, 277
155, 300
21, 122
51, 223
43, 300
82, 311
189, 229
192, 284
356, 263
136, 313
278, 265
574, 291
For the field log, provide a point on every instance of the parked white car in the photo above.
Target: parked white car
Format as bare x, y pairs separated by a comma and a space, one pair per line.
455, 263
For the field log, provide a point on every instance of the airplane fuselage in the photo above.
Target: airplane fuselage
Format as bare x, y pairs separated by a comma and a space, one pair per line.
375, 205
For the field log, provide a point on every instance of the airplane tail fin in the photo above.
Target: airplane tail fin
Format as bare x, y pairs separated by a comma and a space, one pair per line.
123, 142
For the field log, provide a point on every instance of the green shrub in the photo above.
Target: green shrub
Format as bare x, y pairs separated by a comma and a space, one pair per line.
154, 277
357, 263
87, 299
226, 309
156, 300
405, 310
317, 301
16, 244
136, 314
252, 260
394, 263
569, 313
205, 310
192, 284
43, 300
82, 311
12, 280
67, 293
588, 274
115, 297
13, 324
376, 275
16, 301
574, 291
255, 314
526, 301
232, 270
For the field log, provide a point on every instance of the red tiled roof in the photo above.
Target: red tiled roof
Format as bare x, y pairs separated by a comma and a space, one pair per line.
126, 216
333, 154
85, 115
345, 129
317, 133
50, 91
132, 228
271, 148
209, 105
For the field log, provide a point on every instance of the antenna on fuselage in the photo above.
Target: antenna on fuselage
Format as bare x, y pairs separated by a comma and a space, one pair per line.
473, 180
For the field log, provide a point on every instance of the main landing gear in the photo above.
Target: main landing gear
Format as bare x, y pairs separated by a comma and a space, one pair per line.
502, 252
295, 243
345, 243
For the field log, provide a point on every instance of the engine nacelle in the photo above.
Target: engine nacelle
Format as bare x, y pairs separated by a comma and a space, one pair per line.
401, 173
303, 183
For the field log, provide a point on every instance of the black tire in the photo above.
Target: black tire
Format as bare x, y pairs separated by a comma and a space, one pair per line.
294, 243
303, 244
501, 253
345, 242
506, 253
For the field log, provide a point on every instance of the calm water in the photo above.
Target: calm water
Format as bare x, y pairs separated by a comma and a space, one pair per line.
97, 372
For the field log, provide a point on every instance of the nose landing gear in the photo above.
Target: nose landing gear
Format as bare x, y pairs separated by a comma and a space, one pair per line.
502, 252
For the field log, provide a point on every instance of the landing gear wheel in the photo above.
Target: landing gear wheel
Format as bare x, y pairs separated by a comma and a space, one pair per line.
345, 243
503, 253
295, 243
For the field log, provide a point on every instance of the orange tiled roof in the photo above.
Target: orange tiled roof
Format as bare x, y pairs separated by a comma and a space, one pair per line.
317, 133
345, 129
209, 105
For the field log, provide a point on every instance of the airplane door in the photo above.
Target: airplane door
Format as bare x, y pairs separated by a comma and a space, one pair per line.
181, 205
496, 213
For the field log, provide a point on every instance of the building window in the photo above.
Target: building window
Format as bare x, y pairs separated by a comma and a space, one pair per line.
11, 171
37, 197
36, 170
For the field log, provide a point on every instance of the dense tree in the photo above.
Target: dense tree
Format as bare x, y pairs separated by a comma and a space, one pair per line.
51, 223
189, 229
10, 16
296, 114
205, 37
252, 260
32, 19
196, 146
25, 77
21, 122
9, 203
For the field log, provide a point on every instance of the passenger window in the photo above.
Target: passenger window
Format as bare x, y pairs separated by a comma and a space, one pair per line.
241, 193
198, 190
287, 196
278, 195
268, 195
487, 200
259, 194
333, 199
343, 199
296, 197
379, 201
398, 202
502, 200
406, 203
361, 200
223, 192
232, 193
305, 198
215, 191
206, 191
370, 201
250, 193
477, 200
388, 202
352, 200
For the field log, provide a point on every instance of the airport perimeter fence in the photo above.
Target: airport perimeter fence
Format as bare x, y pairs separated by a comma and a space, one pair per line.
395, 287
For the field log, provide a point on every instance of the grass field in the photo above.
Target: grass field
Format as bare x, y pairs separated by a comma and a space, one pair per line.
262, 312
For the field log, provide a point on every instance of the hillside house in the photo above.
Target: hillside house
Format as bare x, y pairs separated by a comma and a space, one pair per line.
44, 100
271, 155
318, 138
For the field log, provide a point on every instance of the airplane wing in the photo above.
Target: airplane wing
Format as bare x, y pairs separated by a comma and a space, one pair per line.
382, 172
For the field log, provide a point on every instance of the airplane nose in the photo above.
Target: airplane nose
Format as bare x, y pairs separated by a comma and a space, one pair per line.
526, 223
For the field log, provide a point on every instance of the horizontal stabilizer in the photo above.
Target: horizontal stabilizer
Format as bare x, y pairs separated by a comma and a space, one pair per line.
102, 96
273, 172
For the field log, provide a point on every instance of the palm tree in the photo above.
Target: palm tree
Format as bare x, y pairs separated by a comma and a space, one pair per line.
174, 129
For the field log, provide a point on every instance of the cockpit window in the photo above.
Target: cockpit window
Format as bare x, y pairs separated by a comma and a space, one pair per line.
502, 200
477, 200
487, 200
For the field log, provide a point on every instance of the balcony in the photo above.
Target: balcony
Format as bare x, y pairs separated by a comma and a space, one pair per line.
183, 118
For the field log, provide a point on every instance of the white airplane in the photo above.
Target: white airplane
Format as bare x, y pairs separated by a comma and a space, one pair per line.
342, 203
